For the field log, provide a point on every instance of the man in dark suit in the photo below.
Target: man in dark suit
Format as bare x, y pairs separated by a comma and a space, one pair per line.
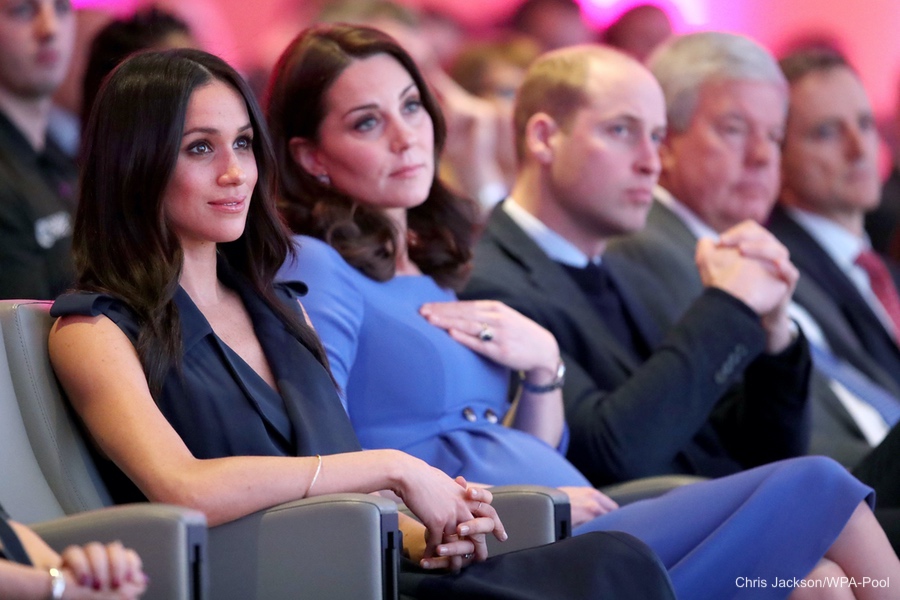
37, 179
588, 123
738, 179
830, 181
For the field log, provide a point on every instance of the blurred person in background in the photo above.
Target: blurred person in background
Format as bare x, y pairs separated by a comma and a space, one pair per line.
639, 31
494, 70
148, 28
553, 23
37, 178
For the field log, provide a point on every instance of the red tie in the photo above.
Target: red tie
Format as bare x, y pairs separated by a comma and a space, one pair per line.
882, 285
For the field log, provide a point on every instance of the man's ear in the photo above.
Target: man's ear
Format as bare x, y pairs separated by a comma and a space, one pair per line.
539, 133
305, 155
667, 153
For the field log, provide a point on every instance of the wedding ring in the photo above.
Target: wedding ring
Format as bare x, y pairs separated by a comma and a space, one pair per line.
467, 556
486, 334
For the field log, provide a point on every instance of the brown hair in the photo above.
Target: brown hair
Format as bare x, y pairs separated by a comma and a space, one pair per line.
440, 229
556, 84
471, 65
800, 63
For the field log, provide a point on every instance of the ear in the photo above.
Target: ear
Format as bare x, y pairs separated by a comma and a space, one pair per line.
539, 137
305, 155
667, 153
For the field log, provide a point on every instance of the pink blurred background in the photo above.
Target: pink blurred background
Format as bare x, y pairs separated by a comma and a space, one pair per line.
250, 34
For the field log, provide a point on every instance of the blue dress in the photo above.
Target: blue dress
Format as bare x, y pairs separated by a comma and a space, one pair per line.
407, 385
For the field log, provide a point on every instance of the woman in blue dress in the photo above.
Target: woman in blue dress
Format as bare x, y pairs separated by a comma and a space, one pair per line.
357, 134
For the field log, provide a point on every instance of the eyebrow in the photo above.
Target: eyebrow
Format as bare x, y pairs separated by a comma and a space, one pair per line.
213, 130
374, 105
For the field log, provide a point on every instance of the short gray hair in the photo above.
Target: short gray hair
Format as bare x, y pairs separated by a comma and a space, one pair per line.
684, 64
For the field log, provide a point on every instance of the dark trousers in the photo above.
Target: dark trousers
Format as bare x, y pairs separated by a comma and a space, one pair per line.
880, 469
593, 565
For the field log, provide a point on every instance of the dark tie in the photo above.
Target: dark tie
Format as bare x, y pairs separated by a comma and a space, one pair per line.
857, 384
600, 288
882, 285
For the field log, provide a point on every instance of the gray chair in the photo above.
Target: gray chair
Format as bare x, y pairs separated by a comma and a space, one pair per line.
289, 551
256, 557
171, 540
647, 487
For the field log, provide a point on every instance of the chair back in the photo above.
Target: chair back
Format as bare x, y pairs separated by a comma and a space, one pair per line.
49, 470
52, 428
25, 495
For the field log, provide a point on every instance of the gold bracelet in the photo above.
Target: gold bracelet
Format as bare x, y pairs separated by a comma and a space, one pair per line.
315, 475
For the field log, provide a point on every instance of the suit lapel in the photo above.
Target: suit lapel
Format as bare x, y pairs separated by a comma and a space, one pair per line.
814, 262
848, 333
661, 219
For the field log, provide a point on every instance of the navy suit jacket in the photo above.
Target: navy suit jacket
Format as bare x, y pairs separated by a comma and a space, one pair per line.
852, 329
666, 246
678, 412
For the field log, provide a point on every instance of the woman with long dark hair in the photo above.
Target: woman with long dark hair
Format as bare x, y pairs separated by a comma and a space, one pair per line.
357, 134
200, 381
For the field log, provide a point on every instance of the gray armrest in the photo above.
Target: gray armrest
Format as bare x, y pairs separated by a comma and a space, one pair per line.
334, 546
170, 540
532, 514
647, 487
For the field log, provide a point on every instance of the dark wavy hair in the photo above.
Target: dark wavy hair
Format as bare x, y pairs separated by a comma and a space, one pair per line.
147, 28
441, 229
132, 141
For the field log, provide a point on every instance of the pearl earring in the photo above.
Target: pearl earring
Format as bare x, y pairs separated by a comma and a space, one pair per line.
324, 179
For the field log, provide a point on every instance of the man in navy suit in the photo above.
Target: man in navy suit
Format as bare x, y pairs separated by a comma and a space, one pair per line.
829, 182
588, 123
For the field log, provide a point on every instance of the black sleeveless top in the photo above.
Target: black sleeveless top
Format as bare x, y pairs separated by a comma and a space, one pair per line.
216, 402
10, 546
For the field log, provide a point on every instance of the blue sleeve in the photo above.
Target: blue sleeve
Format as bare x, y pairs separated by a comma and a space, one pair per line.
334, 302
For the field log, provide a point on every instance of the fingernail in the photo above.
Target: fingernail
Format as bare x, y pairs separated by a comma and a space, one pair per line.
426, 564
504, 536
463, 530
474, 492
442, 550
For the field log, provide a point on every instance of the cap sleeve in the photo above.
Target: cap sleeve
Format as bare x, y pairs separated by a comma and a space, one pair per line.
91, 304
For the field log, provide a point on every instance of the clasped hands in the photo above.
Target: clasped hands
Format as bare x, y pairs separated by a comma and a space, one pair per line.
455, 540
749, 263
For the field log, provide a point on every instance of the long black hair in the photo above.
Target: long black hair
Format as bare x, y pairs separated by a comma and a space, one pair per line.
131, 146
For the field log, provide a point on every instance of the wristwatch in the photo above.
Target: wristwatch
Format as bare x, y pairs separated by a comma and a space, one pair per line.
556, 384
57, 584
